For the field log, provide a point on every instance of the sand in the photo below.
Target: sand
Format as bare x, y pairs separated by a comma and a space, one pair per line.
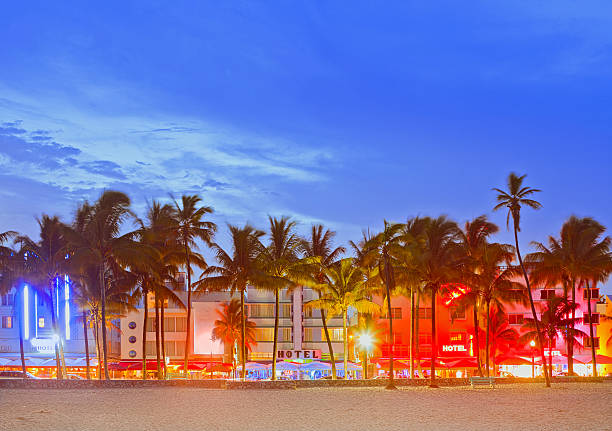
508, 407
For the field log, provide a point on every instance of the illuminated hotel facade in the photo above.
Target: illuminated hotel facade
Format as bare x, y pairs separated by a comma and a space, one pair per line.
28, 310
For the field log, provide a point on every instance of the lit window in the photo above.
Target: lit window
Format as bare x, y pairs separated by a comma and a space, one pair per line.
396, 312
41, 322
424, 313
7, 322
458, 337
335, 334
587, 342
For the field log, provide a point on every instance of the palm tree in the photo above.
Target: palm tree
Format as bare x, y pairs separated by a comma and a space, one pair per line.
514, 198
191, 226
494, 279
437, 268
228, 327
319, 245
473, 238
235, 272
347, 286
568, 259
554, 320
379, 253
281, 268
101, 244
45, 261
412, 240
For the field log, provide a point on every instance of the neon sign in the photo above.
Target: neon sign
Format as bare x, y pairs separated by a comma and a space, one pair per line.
454, 348
299, 354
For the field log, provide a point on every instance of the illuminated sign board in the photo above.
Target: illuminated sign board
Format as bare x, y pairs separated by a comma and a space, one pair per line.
454, 348
298, 354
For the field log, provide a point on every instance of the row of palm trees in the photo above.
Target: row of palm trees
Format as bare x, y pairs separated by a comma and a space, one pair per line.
114, 267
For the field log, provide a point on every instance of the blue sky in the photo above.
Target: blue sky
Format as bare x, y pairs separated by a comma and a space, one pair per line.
343, 113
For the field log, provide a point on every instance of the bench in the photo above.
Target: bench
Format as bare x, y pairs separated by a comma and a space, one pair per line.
482, 381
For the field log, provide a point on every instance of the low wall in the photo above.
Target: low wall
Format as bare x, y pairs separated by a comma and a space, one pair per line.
282, 384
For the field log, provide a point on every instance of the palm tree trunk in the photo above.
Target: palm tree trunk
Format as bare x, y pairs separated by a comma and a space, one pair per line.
242, 334
24, 369
98, 349
157, 347
477, 338
417, 342
531, 304
188, 335
58, 367
591, 332
86, 339
570, 332
391, 384
434, 344
487, 369
103, 319
162, 330
345, 336
329, 343
275, 342
144, 335
412, 332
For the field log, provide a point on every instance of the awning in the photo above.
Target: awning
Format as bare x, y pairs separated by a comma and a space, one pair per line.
462, 363
218, 368
600, 359
512, 360
351, 366
254, 366
397, 364
316, 366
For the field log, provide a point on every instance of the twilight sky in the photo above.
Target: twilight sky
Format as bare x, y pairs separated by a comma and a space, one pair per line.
343, 113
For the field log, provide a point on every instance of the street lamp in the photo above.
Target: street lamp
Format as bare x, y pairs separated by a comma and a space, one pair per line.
532, 344
366, 342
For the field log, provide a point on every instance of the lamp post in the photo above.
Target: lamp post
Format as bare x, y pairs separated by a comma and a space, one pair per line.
532, 344
366, 342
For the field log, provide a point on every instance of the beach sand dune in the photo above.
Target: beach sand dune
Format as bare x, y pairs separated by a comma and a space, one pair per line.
508, 407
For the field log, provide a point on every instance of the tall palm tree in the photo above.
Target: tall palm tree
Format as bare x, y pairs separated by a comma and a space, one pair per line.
190, 226
347, 286
236, 269
282, 268
569, 259
228, 327
100, 243
379, 253
494, 279
473, 238
45, 261
412, 241
438, 267
319, 245
514, 199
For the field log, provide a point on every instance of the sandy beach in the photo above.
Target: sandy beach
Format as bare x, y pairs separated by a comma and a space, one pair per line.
508, 407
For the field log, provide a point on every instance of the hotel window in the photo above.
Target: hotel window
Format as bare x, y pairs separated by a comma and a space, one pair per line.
458, 337
8, 299
41, 322
594, 294
335, 334
457, 313
150, 348
397, 338
396, 312
594, 316
587, 342
181, 324
169, 324
179, 348
308, 335
424, 313
424, 339
151, 324
285, 335
547, 293
7, 322
261, 310
170, 348
286, 311
308, 312
515, 319
264, 334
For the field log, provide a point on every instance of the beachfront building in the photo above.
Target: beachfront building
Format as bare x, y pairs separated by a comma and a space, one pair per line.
299, 328
455, 341
26, 310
